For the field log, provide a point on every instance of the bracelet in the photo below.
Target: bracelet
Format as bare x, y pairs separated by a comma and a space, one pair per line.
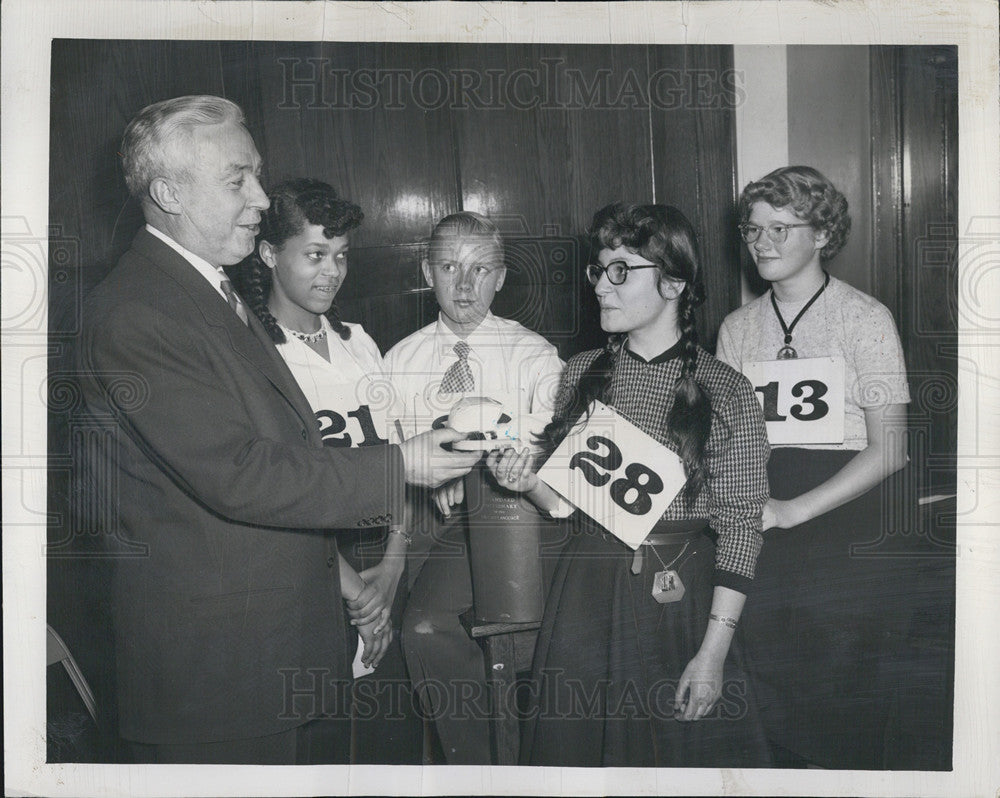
406, 536
725, 621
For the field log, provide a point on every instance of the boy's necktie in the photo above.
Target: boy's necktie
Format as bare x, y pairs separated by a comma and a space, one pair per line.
458, 378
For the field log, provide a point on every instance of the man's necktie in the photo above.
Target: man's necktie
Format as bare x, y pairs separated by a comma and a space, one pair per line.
458, 378
234, 301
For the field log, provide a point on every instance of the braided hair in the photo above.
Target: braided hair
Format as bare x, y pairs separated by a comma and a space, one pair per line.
294, 204
662, 235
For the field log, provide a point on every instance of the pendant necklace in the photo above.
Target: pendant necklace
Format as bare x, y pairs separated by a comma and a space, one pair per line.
787, 352
667, 584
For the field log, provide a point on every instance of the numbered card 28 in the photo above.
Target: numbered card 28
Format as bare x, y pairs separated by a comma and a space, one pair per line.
615, 473
803, 399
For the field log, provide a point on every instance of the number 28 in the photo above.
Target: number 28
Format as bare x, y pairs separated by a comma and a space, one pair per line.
631, 492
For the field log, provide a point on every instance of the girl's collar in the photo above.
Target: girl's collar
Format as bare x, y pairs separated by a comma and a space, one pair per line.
667, 355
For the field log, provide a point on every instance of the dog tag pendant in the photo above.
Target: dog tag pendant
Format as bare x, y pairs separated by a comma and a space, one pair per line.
667, 586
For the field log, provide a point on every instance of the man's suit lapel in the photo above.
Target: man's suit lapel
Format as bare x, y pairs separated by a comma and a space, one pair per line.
249, 341
291, 391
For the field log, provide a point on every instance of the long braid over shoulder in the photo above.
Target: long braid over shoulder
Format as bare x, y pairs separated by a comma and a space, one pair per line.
257, 288
294, 204
574, 407
689, 421
662, 235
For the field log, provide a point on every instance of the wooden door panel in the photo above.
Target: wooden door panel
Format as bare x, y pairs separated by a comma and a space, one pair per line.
694, 165
396, 163
915, 171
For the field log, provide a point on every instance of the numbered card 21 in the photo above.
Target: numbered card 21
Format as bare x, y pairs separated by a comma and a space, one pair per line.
803, 399
615, 473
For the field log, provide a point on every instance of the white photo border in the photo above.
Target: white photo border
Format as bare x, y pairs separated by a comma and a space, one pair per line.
28, 27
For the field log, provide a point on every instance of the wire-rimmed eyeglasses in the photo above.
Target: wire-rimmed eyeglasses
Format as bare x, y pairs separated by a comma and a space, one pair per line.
778, 233
617, 271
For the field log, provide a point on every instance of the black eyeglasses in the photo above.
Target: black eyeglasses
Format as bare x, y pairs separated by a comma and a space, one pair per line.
778, 233
617, 271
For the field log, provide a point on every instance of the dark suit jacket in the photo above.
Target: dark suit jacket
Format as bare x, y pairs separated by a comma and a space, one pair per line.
232, 624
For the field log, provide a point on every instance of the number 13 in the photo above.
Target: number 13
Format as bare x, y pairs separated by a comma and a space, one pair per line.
816, 390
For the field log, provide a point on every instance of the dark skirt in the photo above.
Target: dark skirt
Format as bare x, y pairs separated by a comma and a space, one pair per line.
824, 623
609, 658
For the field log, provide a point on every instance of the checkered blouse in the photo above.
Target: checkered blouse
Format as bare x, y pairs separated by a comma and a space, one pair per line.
735, 488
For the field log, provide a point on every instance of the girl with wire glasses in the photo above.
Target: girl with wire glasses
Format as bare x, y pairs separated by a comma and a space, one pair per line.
827, 362
636, 663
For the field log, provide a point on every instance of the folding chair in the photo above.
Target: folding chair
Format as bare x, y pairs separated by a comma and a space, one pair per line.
58, 652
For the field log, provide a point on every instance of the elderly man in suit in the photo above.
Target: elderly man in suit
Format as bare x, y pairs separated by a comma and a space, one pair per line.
230, 632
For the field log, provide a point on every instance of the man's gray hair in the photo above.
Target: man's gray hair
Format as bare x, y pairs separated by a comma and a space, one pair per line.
150, 145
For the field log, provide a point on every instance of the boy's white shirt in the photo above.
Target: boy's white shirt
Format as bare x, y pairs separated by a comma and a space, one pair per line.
509, 363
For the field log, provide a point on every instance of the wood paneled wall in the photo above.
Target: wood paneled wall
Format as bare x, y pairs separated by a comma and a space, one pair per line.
915, 242
537, 136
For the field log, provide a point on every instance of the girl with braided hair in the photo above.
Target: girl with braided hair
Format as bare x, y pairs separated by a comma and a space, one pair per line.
290, 283
620, 679
298, 208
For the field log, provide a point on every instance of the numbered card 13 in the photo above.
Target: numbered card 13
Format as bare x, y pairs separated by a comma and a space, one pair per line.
615, 473
803, 399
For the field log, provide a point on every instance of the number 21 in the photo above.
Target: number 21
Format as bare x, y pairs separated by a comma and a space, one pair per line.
331, 424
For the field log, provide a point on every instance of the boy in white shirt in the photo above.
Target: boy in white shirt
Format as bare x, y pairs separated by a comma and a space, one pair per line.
467, 352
